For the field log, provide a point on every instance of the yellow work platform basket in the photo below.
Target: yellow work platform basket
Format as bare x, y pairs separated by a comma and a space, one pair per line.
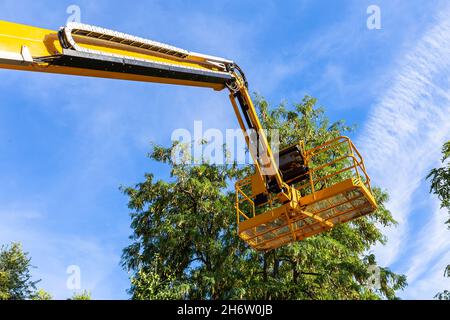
334, 190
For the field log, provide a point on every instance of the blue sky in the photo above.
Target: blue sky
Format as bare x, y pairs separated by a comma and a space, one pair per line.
68, 143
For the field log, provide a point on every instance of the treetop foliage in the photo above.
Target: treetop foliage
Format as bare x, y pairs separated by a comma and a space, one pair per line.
440, 179
184, 243
440, 186
15, 275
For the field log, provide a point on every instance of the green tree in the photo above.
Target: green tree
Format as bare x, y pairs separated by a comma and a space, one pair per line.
15, 275
184, 242
85, 295
444, 295
440, 186
440, 179
41, 295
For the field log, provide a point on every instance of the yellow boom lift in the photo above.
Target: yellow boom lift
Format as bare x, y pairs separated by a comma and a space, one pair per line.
304, 193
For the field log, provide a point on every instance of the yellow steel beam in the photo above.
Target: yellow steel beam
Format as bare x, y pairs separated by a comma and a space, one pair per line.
38, 42
318, 218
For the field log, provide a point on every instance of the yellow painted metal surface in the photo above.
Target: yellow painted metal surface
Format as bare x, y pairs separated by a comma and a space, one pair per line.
43, 42
338, 191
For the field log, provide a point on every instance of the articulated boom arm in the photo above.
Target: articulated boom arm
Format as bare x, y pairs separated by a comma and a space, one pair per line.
283, 201
84, 50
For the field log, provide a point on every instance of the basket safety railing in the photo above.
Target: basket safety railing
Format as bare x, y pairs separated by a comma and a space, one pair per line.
329, 164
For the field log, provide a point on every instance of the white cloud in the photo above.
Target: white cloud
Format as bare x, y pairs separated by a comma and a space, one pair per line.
401, 141
83, 219
432, 280
432, 242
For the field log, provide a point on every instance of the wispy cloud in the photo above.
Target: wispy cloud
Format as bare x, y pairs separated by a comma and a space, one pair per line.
53, 252
431, 281
401, 142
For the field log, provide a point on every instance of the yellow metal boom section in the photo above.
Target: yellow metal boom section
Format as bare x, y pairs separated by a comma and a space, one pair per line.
29, 48
282, 210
